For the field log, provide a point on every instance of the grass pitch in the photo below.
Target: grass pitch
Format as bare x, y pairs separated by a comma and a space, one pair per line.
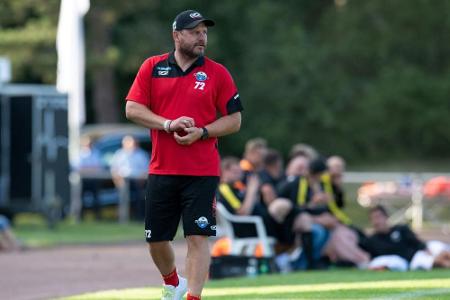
332, 284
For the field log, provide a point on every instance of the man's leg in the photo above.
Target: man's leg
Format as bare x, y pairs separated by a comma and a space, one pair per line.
197, 263
163, 256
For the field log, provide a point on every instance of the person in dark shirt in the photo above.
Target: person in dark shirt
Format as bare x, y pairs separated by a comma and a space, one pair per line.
312, 200
237, 198
270, 176
240, 199
401, 241
388, 240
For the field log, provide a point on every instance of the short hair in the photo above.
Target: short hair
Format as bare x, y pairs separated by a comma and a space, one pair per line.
272, 157
228, 161
379, 208
301, 149
255, 143
336, 158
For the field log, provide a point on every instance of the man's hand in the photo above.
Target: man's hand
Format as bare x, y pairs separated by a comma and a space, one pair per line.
193, 134
320, 198
181, 123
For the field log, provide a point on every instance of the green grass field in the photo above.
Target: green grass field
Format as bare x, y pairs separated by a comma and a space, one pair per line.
332, 284
33, 231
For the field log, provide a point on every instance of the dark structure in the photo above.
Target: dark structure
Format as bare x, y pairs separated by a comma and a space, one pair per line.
34, 165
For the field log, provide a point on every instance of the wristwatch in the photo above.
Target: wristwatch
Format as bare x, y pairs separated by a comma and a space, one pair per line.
205, 134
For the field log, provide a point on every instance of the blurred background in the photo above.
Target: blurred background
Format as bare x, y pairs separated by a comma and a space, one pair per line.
367, 80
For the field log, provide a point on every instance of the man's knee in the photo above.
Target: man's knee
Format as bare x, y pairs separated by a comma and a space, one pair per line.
279, 209
197, 241
303, 222
158, 246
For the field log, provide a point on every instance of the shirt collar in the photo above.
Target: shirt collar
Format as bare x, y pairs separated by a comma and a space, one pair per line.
199, 62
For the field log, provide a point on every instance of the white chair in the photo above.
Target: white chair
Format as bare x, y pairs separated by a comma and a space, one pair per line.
244, 246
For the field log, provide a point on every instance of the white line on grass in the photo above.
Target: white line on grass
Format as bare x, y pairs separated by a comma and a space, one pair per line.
415, 294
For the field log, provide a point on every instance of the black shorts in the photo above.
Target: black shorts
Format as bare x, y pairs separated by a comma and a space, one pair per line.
170, 197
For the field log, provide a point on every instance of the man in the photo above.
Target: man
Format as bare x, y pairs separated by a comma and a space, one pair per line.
90, 163
311, 200
238, 199
252, 161
8, 241
271, 175
391, 244
129, 166
336, 169
242, 200
178, 95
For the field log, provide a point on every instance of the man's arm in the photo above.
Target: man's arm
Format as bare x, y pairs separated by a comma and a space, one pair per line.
251, 196
142, 115
223, 126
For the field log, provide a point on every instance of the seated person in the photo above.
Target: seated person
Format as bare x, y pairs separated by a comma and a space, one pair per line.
131, 163
310, 200
399, 242
245, 200
252, 161
238, 199
88, 165
297, 166
270, 176
336, 169
8, 241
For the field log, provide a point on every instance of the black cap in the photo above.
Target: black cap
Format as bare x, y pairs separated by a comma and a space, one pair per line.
188, 19
317, 166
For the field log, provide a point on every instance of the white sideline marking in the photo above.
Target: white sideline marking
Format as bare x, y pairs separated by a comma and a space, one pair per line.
414, 294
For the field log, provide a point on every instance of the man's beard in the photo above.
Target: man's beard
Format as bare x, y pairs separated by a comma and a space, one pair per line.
189, 52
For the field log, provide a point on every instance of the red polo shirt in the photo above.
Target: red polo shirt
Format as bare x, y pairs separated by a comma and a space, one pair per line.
202, 91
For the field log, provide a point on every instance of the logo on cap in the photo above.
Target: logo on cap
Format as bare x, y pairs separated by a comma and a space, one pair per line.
195, 15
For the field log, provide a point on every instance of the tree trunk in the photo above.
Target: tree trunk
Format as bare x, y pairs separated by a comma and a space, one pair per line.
104, 92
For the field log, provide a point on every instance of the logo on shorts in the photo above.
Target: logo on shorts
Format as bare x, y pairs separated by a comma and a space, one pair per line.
202, 222
201, 76
213, 227
148, 234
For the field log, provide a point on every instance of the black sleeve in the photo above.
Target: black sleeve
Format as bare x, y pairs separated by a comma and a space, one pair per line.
338, 196
264, 178
285, 189
412, 238
366, 244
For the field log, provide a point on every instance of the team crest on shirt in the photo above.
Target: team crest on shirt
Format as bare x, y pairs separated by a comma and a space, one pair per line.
395, 236
201, 76
202, 222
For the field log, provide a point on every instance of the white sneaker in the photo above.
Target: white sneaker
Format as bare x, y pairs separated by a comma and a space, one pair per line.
171, 292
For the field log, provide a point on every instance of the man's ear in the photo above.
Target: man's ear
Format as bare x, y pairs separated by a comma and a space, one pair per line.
175, 35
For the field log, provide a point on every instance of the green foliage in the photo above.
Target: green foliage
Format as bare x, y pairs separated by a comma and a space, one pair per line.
369, 80
27, 37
